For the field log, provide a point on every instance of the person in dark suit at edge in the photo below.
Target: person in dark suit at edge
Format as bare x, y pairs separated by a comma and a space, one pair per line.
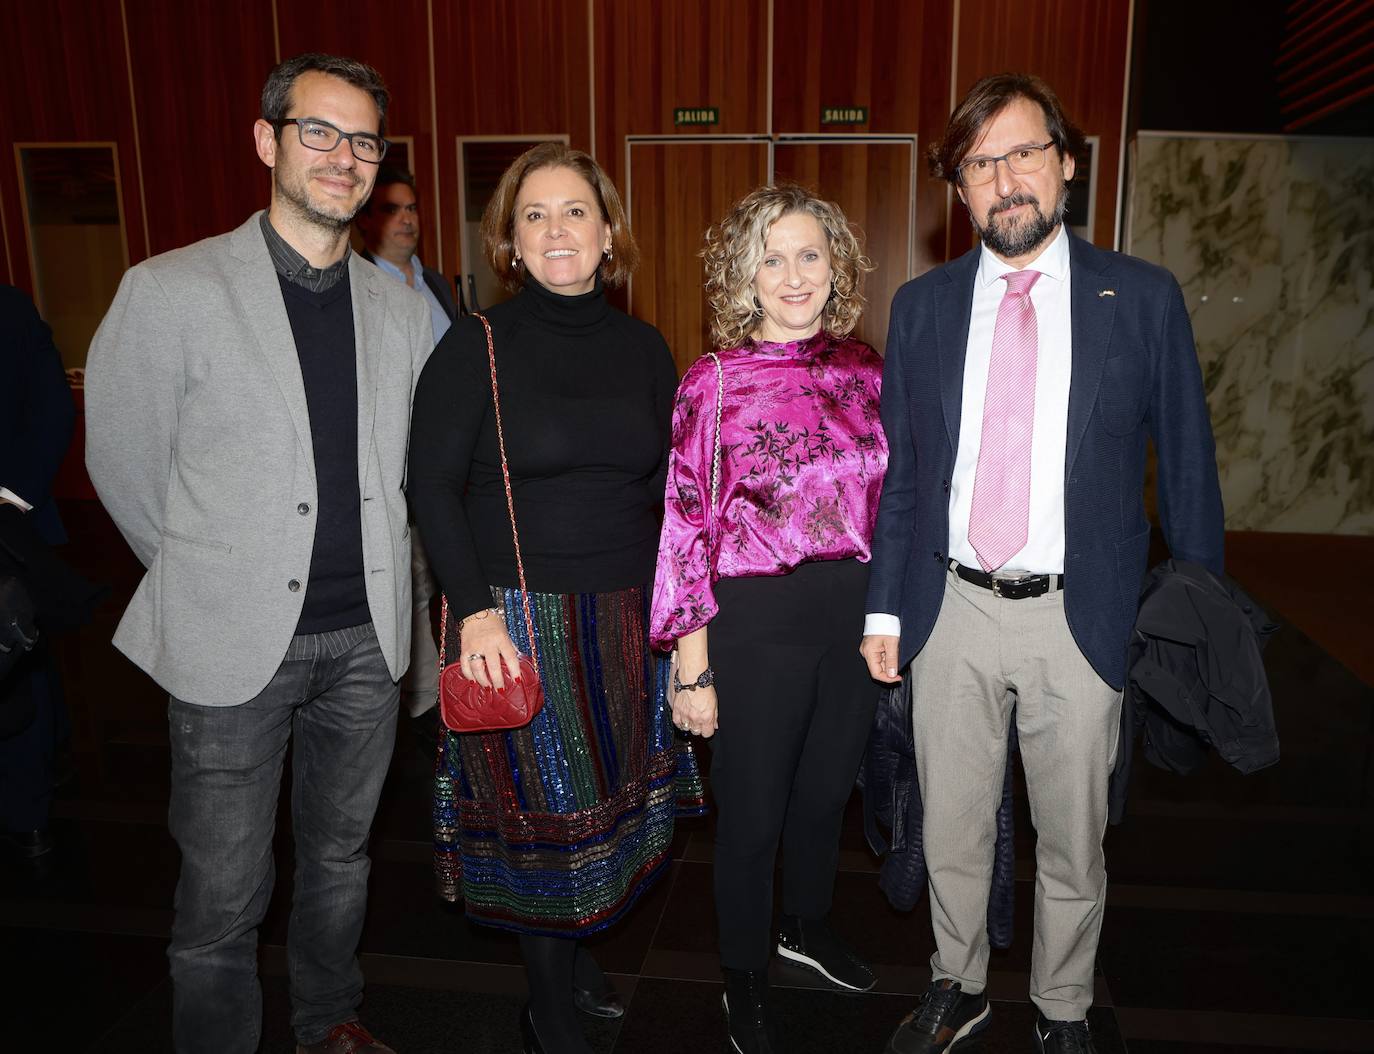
1021, 383
389, 223
36, 419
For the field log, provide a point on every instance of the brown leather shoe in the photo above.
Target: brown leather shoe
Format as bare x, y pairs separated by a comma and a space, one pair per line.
348, 1038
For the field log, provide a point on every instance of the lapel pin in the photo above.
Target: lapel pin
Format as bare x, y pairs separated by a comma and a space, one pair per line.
1107, 292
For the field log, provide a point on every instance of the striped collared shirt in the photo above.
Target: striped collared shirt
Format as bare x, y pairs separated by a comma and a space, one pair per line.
294, 267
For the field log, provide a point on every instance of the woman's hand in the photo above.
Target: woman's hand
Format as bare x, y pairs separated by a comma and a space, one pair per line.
486, 647
694, 711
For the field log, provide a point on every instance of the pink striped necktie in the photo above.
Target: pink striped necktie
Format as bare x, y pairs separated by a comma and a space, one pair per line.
999, 520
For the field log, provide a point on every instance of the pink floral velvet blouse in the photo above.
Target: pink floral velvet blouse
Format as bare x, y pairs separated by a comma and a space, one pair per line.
802, 462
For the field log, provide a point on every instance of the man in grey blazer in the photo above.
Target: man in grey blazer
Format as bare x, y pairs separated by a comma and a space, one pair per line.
247, 409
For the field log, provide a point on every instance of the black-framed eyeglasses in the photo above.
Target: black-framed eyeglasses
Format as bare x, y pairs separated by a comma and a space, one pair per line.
1023, 160
323, 136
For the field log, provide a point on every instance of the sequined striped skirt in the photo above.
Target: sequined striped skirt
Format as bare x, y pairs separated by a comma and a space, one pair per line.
558, 827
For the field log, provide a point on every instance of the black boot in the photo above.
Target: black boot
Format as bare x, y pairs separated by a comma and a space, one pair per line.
593, 992
746, 1012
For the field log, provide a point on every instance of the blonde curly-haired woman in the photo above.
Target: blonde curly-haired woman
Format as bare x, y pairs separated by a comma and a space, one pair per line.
777, 461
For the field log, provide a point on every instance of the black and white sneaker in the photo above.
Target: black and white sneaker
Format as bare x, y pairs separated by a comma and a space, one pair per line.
1062, 1037
811, 944
748, 1022
942, 1020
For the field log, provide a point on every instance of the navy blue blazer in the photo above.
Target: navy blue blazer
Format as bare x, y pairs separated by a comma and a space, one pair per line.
36, 410
1134, 375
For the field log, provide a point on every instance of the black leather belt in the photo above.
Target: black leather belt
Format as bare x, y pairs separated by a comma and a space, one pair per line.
1021, 588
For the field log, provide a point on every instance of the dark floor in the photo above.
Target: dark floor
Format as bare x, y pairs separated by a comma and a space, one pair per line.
1240, 917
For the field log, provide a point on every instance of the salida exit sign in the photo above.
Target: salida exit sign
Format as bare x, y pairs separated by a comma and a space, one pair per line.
696, 115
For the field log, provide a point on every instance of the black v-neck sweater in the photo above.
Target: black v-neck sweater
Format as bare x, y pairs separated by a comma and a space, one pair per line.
586, 403
322, 327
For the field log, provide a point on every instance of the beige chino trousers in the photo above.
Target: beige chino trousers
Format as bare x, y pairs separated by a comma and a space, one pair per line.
986, 658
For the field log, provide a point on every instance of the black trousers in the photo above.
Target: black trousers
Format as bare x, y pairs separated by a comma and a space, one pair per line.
796, 703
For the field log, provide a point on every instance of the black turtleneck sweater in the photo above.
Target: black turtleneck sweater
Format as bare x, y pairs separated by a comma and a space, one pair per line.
586, 405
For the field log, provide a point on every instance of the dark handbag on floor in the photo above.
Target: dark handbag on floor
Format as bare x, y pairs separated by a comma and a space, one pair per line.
465, 705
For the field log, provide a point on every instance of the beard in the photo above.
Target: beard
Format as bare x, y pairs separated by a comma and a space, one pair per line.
293, 189
1018, 238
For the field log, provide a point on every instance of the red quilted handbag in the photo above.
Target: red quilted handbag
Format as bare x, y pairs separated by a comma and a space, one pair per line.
464, 705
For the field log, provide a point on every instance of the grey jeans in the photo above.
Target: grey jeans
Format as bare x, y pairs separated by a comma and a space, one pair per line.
333, 697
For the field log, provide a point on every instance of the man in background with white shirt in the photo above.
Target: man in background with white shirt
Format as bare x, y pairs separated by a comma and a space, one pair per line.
390, 226
1021, 384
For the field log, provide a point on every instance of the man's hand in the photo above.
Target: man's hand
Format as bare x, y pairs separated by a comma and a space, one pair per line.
880, 652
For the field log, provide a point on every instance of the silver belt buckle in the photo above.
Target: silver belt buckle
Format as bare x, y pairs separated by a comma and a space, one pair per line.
997, 583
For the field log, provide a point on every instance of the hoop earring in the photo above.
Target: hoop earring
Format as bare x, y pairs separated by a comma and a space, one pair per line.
758, 308
609, 254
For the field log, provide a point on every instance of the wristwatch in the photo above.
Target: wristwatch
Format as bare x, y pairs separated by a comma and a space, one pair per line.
707, 678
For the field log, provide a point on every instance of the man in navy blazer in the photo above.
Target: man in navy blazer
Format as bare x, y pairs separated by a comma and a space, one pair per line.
1021, 384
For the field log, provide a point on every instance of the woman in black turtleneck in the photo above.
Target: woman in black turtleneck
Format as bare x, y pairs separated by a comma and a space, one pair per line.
553, 830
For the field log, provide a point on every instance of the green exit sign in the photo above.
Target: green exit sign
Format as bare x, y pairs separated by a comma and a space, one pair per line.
688, 115
844, 115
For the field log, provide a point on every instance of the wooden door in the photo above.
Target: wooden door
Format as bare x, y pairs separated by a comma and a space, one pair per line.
676, 190
871, 180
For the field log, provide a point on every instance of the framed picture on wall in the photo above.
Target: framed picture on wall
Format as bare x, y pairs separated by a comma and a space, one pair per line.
73, 210
1083, 193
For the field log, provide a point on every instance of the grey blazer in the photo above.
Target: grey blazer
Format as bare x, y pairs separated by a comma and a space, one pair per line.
198, 443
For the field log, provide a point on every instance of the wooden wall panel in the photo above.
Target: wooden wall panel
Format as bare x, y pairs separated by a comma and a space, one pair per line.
893, 58
654, 57
932, 235
513, 67
677, 190
848, 53
872, 182
198, 71
394, 38
507, 68
1080, 50
64, 79
595, 70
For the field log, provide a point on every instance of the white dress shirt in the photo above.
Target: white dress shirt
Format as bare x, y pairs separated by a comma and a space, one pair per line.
1043, 552
14, 499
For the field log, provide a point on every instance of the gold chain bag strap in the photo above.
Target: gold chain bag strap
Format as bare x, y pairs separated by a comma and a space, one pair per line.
712, 524
467, 706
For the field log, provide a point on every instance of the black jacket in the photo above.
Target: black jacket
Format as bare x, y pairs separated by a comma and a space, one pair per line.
1196, 677
36, 410
892, 798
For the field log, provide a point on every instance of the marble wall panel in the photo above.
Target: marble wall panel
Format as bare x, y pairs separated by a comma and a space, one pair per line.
1272, 240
